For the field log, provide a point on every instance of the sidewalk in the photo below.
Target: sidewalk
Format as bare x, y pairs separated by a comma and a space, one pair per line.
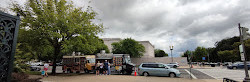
200, 67
120, 78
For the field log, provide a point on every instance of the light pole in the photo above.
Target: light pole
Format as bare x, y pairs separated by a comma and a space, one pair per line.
171, 48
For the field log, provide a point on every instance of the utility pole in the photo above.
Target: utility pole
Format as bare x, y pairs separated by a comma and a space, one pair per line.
246, 79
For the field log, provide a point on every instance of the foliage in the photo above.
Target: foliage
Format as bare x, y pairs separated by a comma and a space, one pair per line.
199, 53
160, 53
187, 54
128, 46
227, 55
52, 28
21, 59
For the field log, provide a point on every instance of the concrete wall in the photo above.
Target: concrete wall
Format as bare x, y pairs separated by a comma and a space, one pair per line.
109, 41
181, 60
149, 49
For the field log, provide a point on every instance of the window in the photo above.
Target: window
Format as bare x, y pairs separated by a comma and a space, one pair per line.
161, 66
150, 65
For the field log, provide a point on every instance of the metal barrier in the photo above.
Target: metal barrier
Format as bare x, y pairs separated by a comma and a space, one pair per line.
228, 80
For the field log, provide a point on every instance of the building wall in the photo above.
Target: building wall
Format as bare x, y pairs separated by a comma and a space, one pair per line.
109, 41
181, 60
149, 48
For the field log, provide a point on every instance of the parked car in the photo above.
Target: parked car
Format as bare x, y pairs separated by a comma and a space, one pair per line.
227, 63
157, 69
35, 68
238, 65
35, 63
173, 65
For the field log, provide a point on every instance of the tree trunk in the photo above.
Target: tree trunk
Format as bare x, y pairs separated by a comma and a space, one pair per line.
56, 53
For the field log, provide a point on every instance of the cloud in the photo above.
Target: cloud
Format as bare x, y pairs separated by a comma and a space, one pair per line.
185, 24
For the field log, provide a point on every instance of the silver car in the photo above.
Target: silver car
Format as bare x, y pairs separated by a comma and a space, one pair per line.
157, 69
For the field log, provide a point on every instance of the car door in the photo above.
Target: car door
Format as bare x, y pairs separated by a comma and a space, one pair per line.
241, 66
161, 70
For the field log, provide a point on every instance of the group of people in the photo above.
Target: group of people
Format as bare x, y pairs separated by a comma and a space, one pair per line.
103, 68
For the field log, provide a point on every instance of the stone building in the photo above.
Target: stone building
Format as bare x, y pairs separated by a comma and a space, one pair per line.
149, 48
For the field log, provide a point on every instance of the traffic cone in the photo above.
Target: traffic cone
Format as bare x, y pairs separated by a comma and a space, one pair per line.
191, 66
135, 72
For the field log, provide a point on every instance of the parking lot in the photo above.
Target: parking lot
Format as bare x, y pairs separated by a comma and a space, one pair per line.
215, 73
220, 73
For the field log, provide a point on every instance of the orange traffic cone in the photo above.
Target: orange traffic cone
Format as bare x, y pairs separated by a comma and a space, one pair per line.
135, 72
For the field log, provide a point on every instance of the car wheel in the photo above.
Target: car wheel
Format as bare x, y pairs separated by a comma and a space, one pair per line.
234, 68
175, 66
172, 75
145, 74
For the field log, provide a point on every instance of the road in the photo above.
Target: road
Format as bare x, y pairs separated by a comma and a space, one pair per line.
198, 73
118, 78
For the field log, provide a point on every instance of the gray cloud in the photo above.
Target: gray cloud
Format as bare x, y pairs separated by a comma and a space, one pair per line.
185, 24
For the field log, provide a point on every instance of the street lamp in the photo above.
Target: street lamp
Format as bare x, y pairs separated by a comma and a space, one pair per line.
171, 48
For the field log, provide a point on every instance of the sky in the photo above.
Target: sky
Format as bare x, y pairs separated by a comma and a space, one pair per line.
184, 24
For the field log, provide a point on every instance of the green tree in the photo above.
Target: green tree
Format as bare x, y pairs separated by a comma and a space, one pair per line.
56, 27
199, 53
187, 54
128, 46
160, 53
227, 55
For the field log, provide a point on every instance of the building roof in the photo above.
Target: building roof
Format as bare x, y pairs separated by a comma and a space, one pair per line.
146, 42
105, 39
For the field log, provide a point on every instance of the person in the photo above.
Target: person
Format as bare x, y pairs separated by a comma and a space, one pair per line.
97, 68
106, 67
109, 72
46, 68
101, 70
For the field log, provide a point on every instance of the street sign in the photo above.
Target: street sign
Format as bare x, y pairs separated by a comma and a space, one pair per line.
241, 48
242, 57
203, 58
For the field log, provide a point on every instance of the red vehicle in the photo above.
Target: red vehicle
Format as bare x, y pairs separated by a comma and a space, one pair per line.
73, 64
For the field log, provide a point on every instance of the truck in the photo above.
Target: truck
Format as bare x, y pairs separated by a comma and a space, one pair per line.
90, 64
73, 64
121, 62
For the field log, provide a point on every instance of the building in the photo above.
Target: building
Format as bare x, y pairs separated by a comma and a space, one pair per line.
149, 48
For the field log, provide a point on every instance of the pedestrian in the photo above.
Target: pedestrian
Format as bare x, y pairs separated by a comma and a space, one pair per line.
106, 67
46, 68
97, 68
101, 68
109, 72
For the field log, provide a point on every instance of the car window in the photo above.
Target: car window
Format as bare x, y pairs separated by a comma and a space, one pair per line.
150, 65
161, 66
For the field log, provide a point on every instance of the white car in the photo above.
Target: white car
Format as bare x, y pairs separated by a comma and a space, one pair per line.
35, 63
173, 65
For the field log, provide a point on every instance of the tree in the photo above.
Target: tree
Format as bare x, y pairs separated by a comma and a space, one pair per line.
199, 53
55, 27
227, 55
160, 53
187, 54
128, 46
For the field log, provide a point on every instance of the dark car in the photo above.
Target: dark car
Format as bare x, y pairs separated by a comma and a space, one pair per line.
35, 68
238, 65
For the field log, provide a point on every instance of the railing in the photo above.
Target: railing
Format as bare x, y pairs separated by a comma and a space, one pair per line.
9, 26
